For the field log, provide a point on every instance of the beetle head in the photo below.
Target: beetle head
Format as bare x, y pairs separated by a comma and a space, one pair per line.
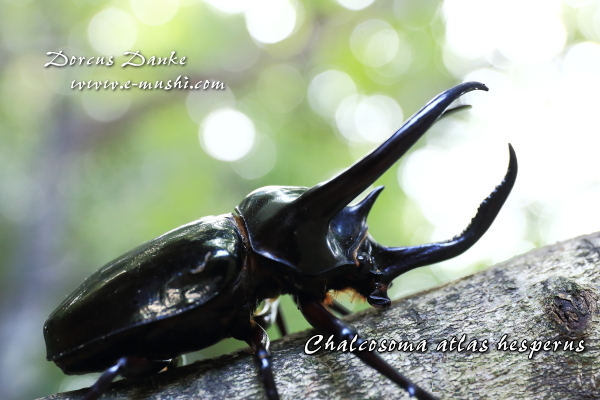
314, 231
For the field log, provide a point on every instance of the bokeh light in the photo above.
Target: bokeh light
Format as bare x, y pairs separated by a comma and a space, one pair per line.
200, 103
310, 87
328, 89
228, 6
271, 21
106, 106
259, 161
112, 31
154, 12
355, 4
374, 43
227, 134
368, 119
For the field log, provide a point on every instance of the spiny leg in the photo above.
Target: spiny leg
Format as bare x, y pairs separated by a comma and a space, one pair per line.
128, 367
259, 342
321, 319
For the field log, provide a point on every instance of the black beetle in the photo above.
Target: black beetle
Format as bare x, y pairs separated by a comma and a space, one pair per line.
203, 282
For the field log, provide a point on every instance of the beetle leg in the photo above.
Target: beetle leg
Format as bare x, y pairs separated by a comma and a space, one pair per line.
338, 308
259, 342
105, 379
321, 319
177, 362
125, 366
269, 313
281, 326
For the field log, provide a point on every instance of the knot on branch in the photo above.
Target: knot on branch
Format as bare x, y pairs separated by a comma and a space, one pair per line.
570, 306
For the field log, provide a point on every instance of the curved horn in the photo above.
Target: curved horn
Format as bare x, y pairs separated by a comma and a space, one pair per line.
402, 259
326, 199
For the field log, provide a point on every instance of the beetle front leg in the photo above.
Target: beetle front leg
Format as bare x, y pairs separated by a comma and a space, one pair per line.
321, 319
259, 342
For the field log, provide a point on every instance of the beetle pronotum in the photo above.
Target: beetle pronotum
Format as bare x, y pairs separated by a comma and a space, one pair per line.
203, 281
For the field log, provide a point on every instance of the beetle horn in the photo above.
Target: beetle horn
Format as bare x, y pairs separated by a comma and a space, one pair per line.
327, 199
352, 220
361, 210
402, 259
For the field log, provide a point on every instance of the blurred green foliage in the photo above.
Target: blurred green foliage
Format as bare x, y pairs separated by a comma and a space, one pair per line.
78, 192
87, 175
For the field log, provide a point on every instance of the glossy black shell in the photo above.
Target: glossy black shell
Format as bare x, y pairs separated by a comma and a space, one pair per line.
158, 301
325, 247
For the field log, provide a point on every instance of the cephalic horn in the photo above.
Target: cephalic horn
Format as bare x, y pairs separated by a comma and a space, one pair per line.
402, 259
326, 199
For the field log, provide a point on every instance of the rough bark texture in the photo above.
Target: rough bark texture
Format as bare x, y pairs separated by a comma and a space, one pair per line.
549, 294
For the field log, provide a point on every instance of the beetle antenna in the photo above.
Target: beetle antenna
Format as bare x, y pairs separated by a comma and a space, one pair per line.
328, 198
403, 259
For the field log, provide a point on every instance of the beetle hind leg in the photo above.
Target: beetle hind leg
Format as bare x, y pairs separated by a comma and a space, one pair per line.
129, 367
321, 319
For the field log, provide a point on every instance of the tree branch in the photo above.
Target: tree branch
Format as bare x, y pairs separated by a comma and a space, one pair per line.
549, 294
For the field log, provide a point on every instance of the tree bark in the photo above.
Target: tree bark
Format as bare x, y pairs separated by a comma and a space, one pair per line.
548, 295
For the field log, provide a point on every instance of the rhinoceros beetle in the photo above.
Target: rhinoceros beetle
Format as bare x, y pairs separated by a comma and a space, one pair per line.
202, 282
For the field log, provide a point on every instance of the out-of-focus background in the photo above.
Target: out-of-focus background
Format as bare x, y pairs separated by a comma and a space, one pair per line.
310, 87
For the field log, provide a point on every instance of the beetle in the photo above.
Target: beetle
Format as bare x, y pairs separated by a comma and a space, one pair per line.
202, 282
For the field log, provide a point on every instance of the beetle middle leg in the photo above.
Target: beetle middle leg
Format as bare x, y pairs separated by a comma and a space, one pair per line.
321, 319
259, 343
129, 367
271, 312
